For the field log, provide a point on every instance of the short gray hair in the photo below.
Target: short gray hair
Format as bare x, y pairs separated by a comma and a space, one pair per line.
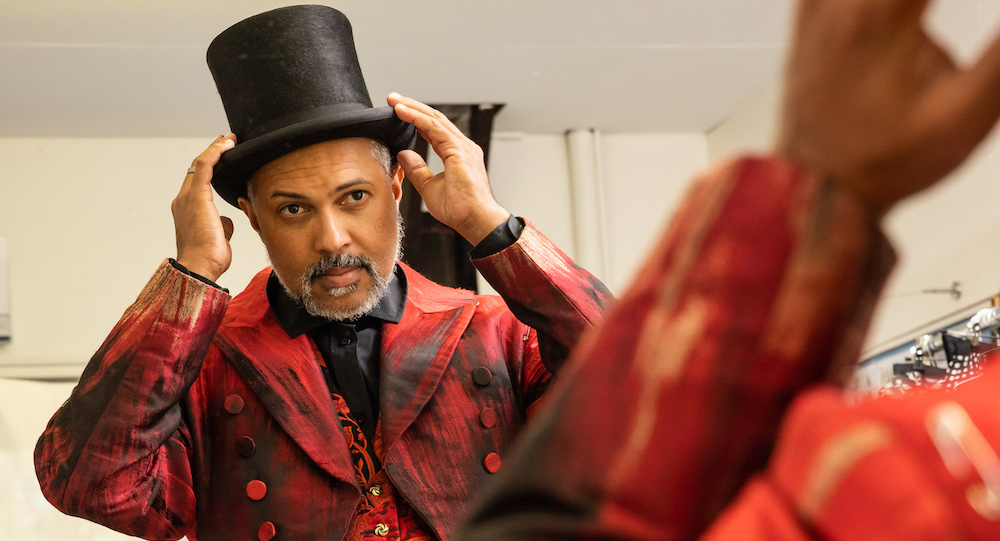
379, 151
381, 154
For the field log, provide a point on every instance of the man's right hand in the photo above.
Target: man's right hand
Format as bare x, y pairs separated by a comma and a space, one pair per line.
202, 235
875, 105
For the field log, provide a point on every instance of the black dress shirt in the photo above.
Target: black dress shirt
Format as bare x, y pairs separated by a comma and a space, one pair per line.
350, 349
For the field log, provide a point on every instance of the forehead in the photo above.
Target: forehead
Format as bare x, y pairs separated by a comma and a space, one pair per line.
328, 160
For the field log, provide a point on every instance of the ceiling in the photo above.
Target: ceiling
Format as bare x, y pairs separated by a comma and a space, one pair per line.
137, 67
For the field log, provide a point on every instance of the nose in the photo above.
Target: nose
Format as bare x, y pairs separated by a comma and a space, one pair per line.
331, 235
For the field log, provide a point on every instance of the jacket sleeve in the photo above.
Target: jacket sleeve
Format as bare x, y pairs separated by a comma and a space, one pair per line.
546, 291
763, 284
118, 451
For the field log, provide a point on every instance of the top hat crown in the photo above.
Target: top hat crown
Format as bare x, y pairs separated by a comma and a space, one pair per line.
290, 78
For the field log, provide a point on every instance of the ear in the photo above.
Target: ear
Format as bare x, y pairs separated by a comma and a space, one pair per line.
396, 184
248, 209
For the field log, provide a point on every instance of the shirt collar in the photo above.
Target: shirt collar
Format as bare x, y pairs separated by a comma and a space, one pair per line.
295, 321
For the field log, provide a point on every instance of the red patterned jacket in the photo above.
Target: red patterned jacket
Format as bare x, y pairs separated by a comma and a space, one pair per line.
762, 285
193, 398
759, 292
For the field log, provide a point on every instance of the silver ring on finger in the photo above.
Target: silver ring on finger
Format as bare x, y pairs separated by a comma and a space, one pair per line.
190, 170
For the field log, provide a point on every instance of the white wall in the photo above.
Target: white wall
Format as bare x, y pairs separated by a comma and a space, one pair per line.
530, 178
645, 177
946, 234
86, 222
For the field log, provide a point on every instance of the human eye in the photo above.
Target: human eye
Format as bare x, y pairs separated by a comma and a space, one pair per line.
356, 196
292, 209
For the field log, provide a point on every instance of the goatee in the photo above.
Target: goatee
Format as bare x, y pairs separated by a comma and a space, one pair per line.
376, 290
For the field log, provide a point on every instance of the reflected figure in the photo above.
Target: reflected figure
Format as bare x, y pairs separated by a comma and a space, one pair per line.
341, 395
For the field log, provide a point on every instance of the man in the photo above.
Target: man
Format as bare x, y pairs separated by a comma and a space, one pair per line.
764, 286
341, 395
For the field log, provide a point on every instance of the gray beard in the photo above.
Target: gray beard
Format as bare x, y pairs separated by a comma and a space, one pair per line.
376, 291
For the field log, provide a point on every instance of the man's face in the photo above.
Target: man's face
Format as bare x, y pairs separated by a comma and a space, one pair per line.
327, 214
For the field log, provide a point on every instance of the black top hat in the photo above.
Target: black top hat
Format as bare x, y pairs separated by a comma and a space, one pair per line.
290, 78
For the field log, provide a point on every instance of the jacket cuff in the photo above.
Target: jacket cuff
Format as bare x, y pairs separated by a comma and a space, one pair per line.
840, 263
197, 295
175, 264
500, 238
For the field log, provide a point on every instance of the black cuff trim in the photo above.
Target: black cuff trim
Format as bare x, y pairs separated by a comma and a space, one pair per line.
501, 238
195, 275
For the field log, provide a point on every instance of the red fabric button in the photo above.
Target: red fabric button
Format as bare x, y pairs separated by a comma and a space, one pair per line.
245, 446
492, 462
488, 417
266, 532
234, 403
256, 490
482, 376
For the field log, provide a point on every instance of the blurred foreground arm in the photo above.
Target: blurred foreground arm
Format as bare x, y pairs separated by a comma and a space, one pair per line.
763, 284
875, 105
765, 279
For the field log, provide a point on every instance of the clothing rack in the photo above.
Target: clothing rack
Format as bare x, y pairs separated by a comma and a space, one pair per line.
946, 357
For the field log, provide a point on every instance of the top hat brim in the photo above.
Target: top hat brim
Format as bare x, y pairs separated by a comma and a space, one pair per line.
237, 165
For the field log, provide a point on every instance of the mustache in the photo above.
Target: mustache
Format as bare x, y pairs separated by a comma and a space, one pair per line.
338, 261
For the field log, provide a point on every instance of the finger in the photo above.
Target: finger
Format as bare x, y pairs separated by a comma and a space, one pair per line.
430, 128
423, 108
205, 161
188, 178
978, 102
984, 74
227, 226
885, 15
415, 168
395, 99
433, 117
210, 156
909, 12
932, 60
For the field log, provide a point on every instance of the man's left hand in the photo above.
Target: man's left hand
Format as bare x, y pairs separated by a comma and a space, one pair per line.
460, 196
